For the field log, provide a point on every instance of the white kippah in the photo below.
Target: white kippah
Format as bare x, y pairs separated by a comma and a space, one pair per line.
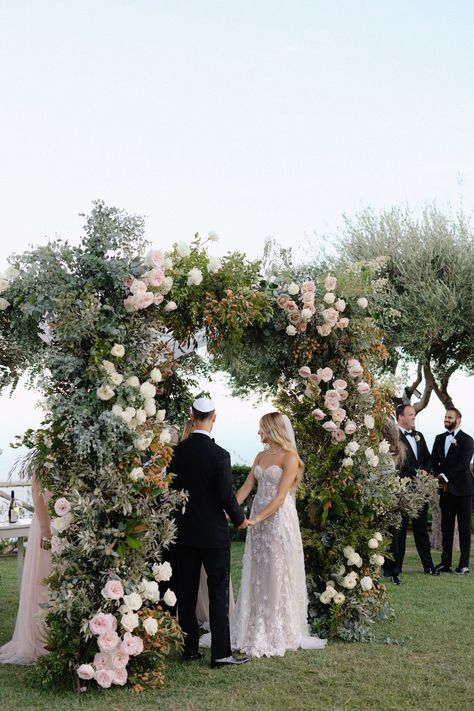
204, 404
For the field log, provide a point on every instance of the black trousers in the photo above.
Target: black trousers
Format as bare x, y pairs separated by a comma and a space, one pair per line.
398, 544
452, 506
216, 562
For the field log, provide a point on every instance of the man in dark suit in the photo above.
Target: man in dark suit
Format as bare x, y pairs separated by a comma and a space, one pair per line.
203, 469
452, 454
417, 458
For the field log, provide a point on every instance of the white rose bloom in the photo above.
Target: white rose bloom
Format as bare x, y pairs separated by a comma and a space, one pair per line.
194, 277
369, 422
339, 598
293, 289
329, 297
384, 447
105, 392
325, 597
144, 441
165, 437
162, 571
354, 559
160, 416
167, 263
133, 381
171, 306
133, 601
352, 448
128, 414
373, 543
167, 285
212, 236
377, 559
150, 625
169, 598
214, 264
378, 536
291, 330
374, 461
306, 314
116, 378
342, 570
108, 366
362, 302
117, 410
149, 590
129, 621
141, 416
347, 462
366, 583
156, 375
62, 523
183, 249
369, 454
349, 582
340, 305
118, 350
330, 590
150, 407
4, 284
147, 390
136, 474
4, 304
348, 551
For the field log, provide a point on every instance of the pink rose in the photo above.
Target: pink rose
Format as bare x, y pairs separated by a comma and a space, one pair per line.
104, 678
113, 590
145, 299
120, 676
324, 330
308, 392
330, 283
338, 435
304, 371
340, 384
85, 671
343, 395
102, 623
350, 427
307, 286
102, 661
282, 300
62, 506
131, 645
119, 659
318, 414
331, 404
154, 277
130, 304
291, 306
307, 297
326, 374
330, 316
108, 642
363, 388
314, 377
342, 323
294, 317
137, 286
339, 414
301, 326
154, 259
330, 426
354, 367
157, 299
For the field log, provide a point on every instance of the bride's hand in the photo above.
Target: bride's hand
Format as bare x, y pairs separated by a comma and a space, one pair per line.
252, 521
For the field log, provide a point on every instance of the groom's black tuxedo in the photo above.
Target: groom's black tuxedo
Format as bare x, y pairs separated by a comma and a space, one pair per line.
409, 468
457, 501
203, 469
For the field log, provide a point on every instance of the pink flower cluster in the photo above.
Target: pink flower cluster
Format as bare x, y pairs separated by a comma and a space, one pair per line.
140, 297
332, 314
298, 317
110, 664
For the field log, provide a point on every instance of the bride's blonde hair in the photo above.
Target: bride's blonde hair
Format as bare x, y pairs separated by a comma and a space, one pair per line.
273, 425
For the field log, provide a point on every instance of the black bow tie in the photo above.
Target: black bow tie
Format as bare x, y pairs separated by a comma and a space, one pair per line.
410, 434
450, 434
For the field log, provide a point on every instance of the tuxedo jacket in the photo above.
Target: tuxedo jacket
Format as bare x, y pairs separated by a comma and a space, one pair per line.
455, 466
412, 464
203, 469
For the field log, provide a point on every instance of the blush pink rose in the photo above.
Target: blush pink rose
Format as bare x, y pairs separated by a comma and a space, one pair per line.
350, 427
343, 395
318, 414
130, 304
120, 677
104, 678
154, 277
145, 299
342, 323
62, 506
307, 286
326, 374
314, 377
113, 590
282, 300
330, 426
119, 659
102, 661
158, 299
301, 326
330, 283
330, 316
339, 414
291, 306
308, 392
85, 671
363, 388
324, 330
102, 623
131, 645
154, 259
108, 642
338, 435
294, 317
340, 384
307, 297
304, 371
137, 286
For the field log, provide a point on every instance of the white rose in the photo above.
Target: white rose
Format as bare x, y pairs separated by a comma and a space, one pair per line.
352, 448
149, 590
339, 598
4, 284
150, 626
165, 437
144, 441
325, 597
169, 598
129, 621
183, 249
133, 381
347, 462
355, 559
136, 474
141, 416
366, 583
374, 461
376, 559
330, 590
306, 314
167, 285
117, 410
348, 551
162, 571
171, 306
214, 264
128, 414
160, 415
133, 601
291, 330
108, 366
212, 236
105, 392
62, 523
340, 305
342, 570
4, 304
384, 447
362, 302
373, 543
167, 263
369, 454
369, 422
154, 259
147, 390
116, 378
378, 536
329, 297
118, 350
156, 375
349, 581
293, 288
194, 277
149, 406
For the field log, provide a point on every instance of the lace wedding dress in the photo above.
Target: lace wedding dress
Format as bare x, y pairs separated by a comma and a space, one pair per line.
271, 611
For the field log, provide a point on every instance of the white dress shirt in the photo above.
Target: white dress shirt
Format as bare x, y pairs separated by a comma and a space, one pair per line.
411, 441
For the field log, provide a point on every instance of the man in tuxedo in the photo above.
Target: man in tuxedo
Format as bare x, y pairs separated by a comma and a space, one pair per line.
452, 454
417, 458
203, 469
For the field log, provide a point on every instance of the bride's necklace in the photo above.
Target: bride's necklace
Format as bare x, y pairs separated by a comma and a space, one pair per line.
273, 451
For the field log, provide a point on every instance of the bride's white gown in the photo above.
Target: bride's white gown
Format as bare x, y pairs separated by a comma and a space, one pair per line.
270, 616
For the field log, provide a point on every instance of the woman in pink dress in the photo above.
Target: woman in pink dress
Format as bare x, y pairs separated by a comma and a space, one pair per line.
27, 643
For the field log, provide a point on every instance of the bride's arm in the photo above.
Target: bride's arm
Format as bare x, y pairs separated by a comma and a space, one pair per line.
41, 510
247, 486
288, 478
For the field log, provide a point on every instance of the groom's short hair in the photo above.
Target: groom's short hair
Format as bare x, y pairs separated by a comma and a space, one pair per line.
198, 415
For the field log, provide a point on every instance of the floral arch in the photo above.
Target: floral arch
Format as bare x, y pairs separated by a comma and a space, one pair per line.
98, 328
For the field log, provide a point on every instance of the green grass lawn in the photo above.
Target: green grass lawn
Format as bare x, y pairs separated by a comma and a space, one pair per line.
423, 658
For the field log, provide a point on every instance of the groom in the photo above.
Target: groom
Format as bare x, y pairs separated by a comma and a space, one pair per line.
203, 469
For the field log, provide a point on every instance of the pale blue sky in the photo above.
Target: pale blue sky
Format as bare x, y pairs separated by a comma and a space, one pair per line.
250, 118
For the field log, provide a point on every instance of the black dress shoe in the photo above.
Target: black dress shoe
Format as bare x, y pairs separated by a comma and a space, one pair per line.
187, 657
228, 661
395, 580
443, 568
432, 571
461, 571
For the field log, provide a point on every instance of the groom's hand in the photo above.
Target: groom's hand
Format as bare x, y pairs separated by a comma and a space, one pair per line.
244, 524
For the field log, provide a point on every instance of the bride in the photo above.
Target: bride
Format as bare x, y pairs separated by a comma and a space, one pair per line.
271, 610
